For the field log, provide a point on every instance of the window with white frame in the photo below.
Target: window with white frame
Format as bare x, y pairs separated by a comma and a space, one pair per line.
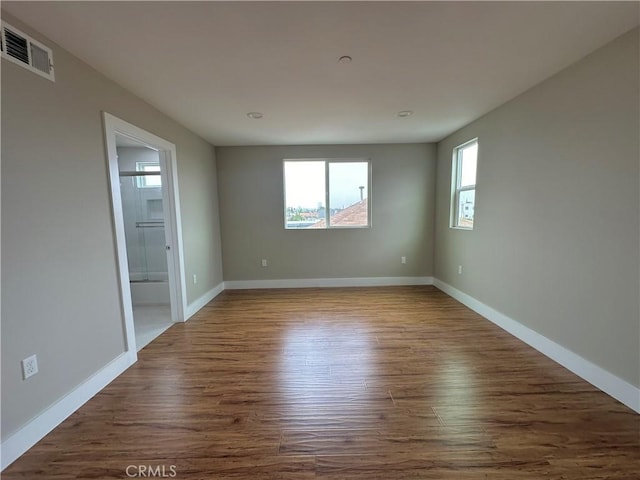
326, 193
463, 183
151, 179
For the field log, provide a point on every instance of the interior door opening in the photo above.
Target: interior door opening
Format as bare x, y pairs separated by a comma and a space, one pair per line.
141, 195
146, 218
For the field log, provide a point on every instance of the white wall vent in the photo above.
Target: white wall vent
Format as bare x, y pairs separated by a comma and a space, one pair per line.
20, 48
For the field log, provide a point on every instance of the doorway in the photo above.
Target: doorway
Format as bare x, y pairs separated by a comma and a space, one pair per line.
144, 197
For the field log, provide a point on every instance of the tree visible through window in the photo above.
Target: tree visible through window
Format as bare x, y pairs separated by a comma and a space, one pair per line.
326, 193
463, 194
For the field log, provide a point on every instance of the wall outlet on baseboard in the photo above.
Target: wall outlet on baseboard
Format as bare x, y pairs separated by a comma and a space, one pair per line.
195, 279
403, 260
264, 262
29, 366
459, 269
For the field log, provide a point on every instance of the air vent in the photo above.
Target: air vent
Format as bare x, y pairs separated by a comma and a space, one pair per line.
20, 48
17, 46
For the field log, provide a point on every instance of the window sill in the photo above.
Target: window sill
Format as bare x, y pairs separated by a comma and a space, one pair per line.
468, 229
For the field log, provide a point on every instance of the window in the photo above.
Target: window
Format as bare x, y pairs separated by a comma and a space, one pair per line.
326, 194
151, 180
463, 191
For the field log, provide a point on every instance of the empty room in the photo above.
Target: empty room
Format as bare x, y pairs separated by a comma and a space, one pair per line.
320, 240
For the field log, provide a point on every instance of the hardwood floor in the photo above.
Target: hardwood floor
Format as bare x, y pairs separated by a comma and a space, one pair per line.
337, 384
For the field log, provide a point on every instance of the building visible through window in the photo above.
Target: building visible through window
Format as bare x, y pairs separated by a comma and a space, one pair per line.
463, 191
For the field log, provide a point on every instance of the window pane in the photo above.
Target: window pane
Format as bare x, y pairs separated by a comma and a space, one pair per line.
349, 194
466, 202
304, 184
152, 180
148, 181
469, 158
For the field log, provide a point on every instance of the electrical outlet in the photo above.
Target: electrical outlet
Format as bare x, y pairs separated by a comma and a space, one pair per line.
264, 262
29, 367
459, 269
403, 260
195, 279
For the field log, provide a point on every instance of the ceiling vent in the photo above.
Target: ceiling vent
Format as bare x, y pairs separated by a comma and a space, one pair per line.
20, 48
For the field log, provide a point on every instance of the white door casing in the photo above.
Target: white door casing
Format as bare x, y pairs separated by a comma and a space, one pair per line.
171, 200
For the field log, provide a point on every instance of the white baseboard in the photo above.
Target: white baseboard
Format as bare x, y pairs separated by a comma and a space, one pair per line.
30, 434
327, 282
22, 440
41, 425
609, 383
193, 307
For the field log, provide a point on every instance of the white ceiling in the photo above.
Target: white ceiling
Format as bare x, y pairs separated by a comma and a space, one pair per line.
207, 64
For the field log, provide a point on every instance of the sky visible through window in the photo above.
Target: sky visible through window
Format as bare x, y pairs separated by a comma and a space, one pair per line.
305, 183
308, 183
345, 180
464, 194
469, 165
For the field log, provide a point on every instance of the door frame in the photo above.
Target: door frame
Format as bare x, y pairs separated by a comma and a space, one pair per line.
173, 233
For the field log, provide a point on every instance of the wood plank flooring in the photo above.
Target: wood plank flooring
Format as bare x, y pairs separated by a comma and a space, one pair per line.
337, 384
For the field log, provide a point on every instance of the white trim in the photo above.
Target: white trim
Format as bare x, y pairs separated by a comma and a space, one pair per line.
176, 272
327, 282
606, 381
327, 165
36, 429
193, 307
175, 263
456, 177
118, 221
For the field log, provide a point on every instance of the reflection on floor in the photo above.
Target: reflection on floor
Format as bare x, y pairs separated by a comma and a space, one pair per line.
149, 322
387, 383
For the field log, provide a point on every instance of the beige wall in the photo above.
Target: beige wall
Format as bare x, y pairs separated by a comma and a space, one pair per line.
60, 295
555, 245
556, 241
252, 209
